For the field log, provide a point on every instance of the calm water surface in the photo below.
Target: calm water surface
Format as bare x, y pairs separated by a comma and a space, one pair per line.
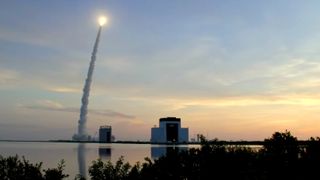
79, 156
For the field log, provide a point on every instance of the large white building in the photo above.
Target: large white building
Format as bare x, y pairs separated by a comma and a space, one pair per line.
169, 131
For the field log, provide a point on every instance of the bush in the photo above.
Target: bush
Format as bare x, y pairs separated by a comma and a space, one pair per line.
100, 170
13, 168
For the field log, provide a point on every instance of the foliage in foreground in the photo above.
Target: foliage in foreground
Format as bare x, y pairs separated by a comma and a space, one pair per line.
13, 168
281, 157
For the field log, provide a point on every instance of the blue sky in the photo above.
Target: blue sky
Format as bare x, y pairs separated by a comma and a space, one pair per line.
230, 69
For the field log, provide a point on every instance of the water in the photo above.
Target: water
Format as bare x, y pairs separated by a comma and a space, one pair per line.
79, 156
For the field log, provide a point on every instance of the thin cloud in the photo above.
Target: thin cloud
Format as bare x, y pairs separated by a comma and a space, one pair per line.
110, 113
239, 101
8, 77
64, 90
47, 105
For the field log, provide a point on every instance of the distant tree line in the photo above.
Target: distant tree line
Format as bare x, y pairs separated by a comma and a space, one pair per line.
281, 157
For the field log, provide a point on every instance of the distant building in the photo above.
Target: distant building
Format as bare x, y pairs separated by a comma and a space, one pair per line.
105, 134
169, 131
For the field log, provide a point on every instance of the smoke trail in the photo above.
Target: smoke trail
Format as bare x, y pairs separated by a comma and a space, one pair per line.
82, 135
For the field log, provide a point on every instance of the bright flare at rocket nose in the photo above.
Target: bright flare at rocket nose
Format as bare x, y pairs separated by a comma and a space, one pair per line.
102, 20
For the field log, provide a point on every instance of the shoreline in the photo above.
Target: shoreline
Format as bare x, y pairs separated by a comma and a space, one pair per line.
258, 143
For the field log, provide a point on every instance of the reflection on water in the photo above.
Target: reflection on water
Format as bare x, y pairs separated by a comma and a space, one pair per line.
105, 153
79, 156
82, 159
162, 150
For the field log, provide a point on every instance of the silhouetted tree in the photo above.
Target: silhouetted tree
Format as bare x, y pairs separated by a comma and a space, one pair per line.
56, 173
280, 156
282, 146
13, 168
100, 170
310, 158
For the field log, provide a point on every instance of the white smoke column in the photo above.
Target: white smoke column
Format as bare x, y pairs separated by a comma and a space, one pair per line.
82, 134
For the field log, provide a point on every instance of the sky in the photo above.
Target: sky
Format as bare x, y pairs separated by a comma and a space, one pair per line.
232, 70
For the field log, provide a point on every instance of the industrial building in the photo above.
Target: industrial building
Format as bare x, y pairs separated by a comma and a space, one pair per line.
105, 134
169, 131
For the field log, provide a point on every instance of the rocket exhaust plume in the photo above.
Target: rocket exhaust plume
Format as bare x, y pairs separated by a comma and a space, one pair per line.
86, 90
82, 134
